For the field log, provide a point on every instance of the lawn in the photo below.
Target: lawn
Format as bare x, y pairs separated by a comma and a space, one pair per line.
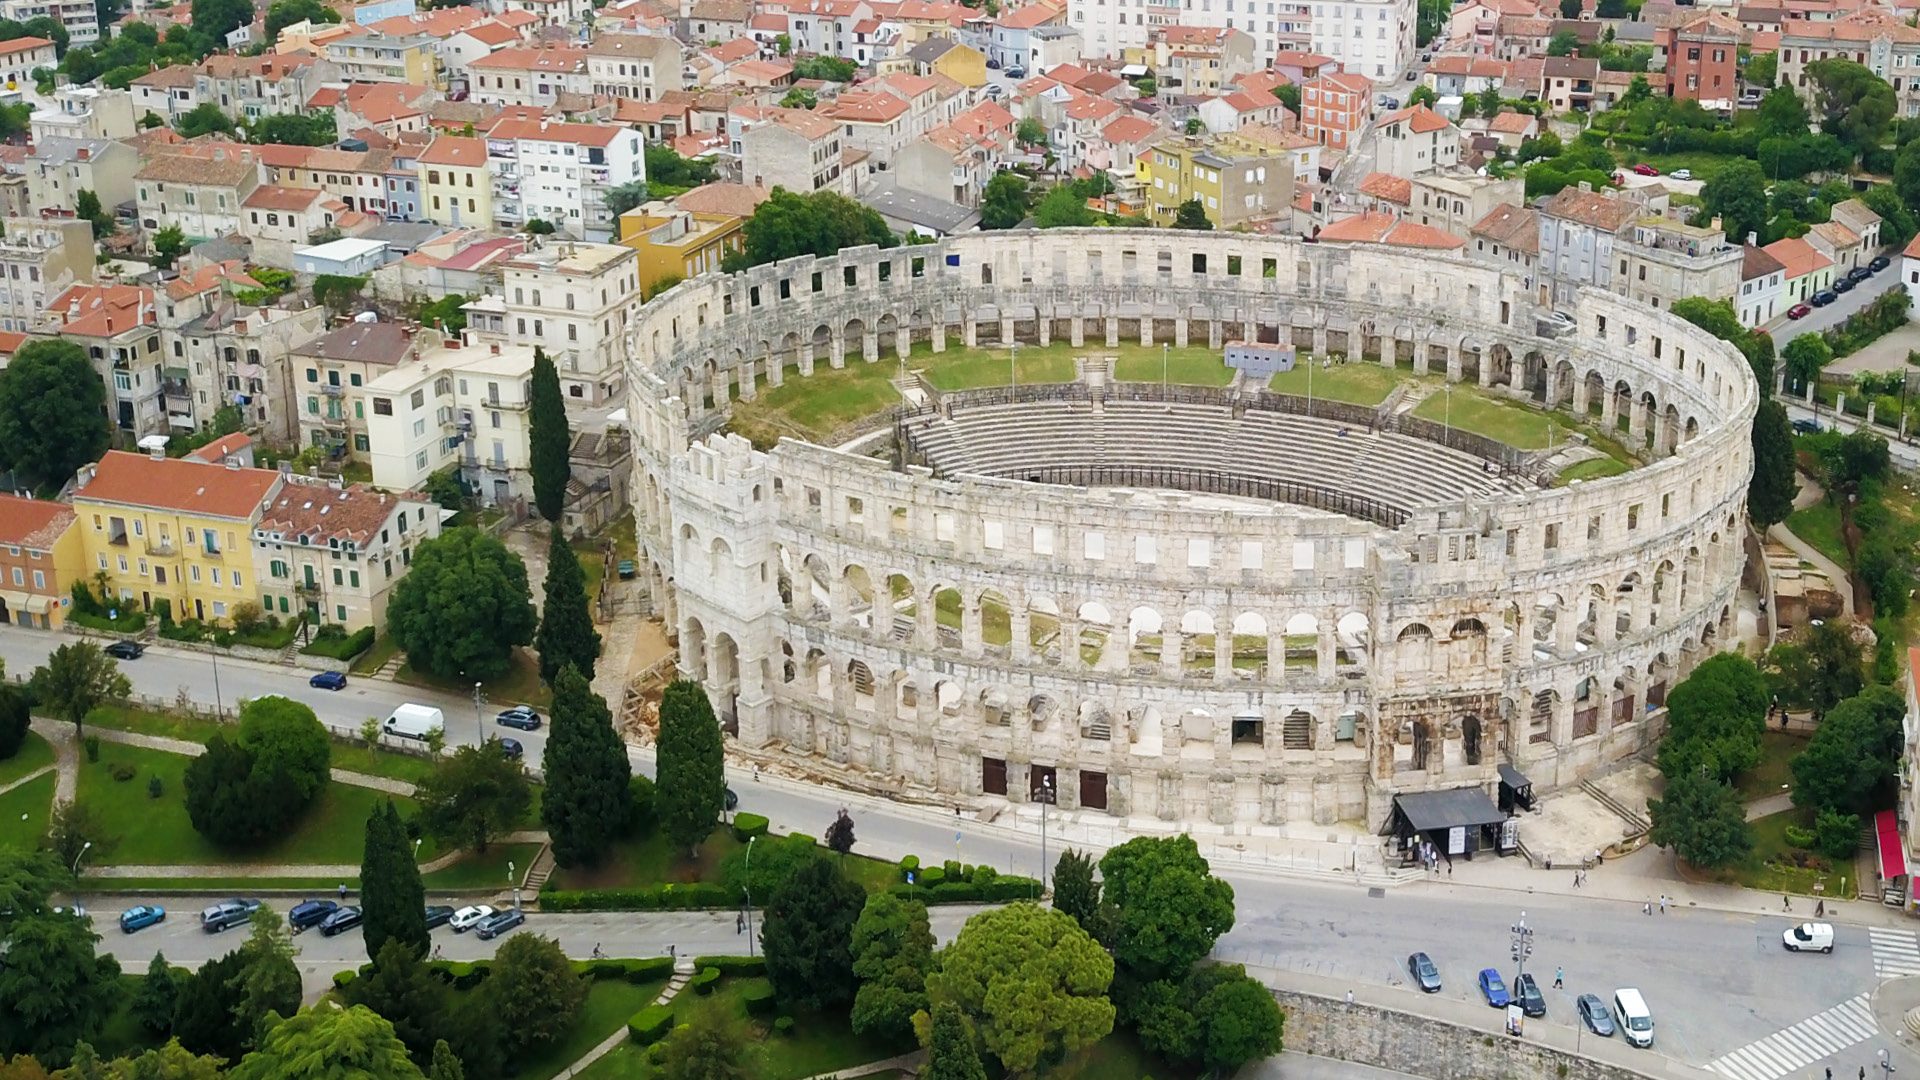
156, 831
967, 369
1777, 751
35, 753
1119, 1056
815, 407
1503, 421
1356, 382
376, 657
351, 756
610, 1004
819, 1042
651, 860
1590, 469
521, 684
23, 813
1819, 526
488, 871
1703, 163
1765, 871
592, 568
1195, 365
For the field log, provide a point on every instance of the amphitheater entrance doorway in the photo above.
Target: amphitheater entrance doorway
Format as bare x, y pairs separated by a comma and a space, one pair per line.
993, 776
1093, 789
1457, 822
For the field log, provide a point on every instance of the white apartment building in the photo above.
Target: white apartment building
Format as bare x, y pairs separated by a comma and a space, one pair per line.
560, 173
463, 406
80, 17
573, 300
40, 258
336, 552
636, 66
1374, 38
85, 112
1763, 288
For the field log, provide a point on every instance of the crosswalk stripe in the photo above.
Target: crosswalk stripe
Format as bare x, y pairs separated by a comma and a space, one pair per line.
1813, 1039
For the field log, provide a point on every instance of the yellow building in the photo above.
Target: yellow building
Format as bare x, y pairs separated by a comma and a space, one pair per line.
172, 529
676, 244
963, 64
40, 559
456, 189
1232, 186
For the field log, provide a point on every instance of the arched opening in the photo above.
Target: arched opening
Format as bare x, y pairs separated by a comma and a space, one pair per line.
1250, 644
946, 615
900, 621
1197, 643
693, 650
1353, 642
1096, 722
1096, 630
820, 674
1144, 635
860, 676
996, 620
859, 596
1413, 648
1303, 643
993, 707
1470, 739
1540, 716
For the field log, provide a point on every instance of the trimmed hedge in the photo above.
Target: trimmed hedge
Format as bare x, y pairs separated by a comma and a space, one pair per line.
758, 997
908, 865
733, 965
783, 1026
342, 978
650, 1024
672, 896
999, 890
747, 826
702, 981
340, 646
640, 970
463, 974
930, 876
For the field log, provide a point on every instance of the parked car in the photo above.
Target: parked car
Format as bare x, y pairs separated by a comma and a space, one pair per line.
1494, 988
1878, 264
1390, 103
1426, 58
1681, 174
345, 918
308, 913
1527, 993
125, 650
1595, 1014
1859, 274
141, 916
1843, 285
1425, 975
328, 680
1016, 73
1824, 297
468, 917
512, 749
438, 915
1806, 427
1809, 936
1799, 311
1636, 1020
994, 64
499, 923
1412, 75
520, 716
730, 799
1644, 169
226, 913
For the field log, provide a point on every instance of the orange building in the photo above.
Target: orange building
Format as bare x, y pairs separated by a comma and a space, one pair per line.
1333, 108
40, 559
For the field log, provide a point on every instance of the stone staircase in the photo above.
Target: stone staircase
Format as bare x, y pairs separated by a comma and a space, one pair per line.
392, 667
1616, 807
538, 871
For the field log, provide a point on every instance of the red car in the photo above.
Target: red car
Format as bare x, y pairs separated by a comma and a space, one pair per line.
1644, 169
1799, 311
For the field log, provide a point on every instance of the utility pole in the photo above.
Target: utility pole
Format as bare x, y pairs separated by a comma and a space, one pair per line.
1044, 797
479, 702
1522, 947
748, 877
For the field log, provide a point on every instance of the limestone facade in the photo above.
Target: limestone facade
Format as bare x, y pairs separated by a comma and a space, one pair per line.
968, 637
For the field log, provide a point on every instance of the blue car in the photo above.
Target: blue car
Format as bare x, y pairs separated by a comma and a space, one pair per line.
495, 925
310, 913
328, 680
1494, 989
141, 917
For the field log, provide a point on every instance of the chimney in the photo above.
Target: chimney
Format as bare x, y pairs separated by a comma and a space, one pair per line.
1716, 224
496, 348
158, 451
1585, 186
1753, 239
84, 476
85, 153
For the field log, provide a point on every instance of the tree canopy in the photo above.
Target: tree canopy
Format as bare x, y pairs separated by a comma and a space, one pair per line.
55, 989
473, 796
820, 223
1771, 488
1169, 908
534, 984
1853, 102
1714, 719
1192, 216
252, 786
1004, 203
1854, 756
1032, 983
808, 935
689, 775
892, 949
566, 635
1736, 193
326, 1042
77, 678
1702, 819
462, 607
586, 805
52, 412
392, 897
549, 438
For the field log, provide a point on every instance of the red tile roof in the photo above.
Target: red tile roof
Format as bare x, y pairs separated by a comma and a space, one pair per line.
188, 487
32, 523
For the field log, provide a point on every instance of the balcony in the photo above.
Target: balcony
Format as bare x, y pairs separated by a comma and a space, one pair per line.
496, 402
161, 546
332, 390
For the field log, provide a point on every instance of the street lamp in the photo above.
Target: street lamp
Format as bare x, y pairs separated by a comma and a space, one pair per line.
479, 701
747, 879
1045, 798
514, 880
1887, 1068
75, 868
218, 705
1522, 946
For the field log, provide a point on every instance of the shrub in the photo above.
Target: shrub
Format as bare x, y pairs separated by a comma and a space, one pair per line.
672, 896
1836, 835
657, 1054
155, 787
121, 771
999, 890
340, 645
703, 981
783, 1025
955, 871
908, 865
983, 875
650, 1024
342, 978
747, 826
734, 965
758, 997
1799, 837
462, 974
92, 743
931, 876
648, 969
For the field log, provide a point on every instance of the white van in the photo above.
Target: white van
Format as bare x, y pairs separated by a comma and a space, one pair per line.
412, 721
1814, 936
1636, 1021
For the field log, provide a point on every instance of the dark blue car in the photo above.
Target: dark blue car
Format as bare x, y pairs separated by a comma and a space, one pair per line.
1494, 988
310, 913
328, 680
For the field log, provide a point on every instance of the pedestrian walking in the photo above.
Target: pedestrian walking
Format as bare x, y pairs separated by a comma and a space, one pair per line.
1559, 978
1576, 879
343, 892
1819, 909
1829, 1072
1785, 903
1349, 999
673, 951
740, 924
1663, 903
1646, 908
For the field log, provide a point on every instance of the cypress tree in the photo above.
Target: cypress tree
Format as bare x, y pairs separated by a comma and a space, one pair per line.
586, 806
548, 439
566, 634
392, 898
950, 1051
446, 1065
689, 779
1771, 489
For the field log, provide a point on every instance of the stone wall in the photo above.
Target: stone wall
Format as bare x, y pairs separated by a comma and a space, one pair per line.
1420, 1046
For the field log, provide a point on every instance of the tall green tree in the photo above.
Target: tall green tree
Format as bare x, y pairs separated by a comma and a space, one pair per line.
52, 412
267, 986
586, 806
1074, 889
709, 1047
1852, 102
215, 19
534, 982
808, 935
1062, 208
1169, 908
950, 1050
446, 1065
153, 1002
1715, 717
1850, 764
473, 795
1215, 1017
169, 243
326, 1042
1806, 356
285, 13
462, 607
16, 720
1192, 216
206, 118
86, 207
1004, 203
1782, 113
204, 1019
821, 223
1819, 669
892, 950
392, 898
566, 635
1736, 193
1032, 983
76, 679
549, 439
689, 775
1701, 818
55, 989
1771, 489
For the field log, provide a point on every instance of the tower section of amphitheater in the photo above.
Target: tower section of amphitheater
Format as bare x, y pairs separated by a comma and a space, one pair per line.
1202, 604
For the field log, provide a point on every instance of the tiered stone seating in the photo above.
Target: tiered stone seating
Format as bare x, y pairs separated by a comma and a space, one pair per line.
1014, 440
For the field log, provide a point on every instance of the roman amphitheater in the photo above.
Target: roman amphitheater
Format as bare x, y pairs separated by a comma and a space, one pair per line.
1193, 595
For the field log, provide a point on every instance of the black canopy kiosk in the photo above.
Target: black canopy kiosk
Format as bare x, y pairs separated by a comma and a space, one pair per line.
1457, 822
1516, 791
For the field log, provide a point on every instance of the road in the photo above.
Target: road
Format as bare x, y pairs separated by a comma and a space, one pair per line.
1784, 329
1715, 980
